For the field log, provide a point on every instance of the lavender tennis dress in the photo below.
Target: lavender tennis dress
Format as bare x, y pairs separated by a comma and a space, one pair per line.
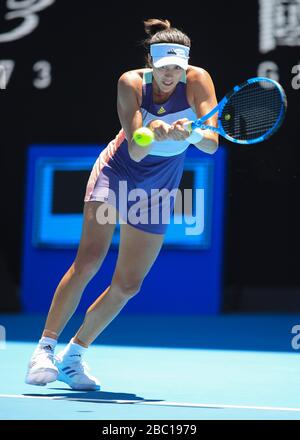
144, 192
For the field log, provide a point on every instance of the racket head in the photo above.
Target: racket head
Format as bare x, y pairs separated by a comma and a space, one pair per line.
252, 111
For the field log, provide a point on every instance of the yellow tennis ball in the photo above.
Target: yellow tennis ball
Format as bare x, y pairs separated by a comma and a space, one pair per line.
143, 136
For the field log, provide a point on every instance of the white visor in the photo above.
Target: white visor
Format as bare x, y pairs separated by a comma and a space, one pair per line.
164, 54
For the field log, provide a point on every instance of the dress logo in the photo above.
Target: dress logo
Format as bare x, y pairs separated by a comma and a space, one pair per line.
161, 111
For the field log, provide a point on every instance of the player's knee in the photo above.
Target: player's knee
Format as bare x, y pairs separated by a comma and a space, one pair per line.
130, 288
127, 287
88, 262
86, 269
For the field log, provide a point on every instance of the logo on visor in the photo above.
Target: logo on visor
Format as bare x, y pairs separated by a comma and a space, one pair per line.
172, 52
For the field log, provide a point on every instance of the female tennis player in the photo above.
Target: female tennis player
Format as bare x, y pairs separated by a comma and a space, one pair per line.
162, 96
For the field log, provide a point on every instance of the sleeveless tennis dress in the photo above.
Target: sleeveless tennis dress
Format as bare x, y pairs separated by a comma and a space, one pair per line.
144, 192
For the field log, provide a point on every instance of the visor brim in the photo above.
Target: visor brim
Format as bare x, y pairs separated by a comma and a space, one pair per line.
166, 61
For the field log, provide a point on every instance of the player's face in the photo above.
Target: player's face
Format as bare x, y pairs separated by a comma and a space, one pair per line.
167, 77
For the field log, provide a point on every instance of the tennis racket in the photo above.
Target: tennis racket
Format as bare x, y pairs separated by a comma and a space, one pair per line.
250, 113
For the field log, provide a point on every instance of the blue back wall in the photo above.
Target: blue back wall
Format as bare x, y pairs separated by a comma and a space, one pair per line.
181, 281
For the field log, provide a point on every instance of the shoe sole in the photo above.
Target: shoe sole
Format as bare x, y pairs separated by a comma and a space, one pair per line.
62, 377
42, 377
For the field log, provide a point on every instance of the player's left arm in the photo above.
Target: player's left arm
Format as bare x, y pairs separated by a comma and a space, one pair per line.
202, 98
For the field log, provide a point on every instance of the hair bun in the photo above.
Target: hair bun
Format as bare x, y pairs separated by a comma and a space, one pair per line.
154, 25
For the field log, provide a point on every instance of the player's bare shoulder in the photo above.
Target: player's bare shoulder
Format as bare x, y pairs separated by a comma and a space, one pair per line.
199, 84
197, 75
131, 80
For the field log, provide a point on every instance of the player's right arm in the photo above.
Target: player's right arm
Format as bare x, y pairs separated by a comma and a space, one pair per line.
130, 115
129, 111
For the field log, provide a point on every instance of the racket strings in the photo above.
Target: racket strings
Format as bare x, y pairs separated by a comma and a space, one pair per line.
253, 111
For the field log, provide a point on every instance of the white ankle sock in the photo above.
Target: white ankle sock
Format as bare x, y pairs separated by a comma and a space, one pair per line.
44, 341
72, 352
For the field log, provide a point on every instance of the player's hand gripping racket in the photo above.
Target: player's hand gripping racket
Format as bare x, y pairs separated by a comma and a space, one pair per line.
251, 112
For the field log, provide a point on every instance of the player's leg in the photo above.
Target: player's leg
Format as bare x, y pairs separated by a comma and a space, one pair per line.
94, 244
137, 252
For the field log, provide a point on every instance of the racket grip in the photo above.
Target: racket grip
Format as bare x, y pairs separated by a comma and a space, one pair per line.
195, 136
188, 126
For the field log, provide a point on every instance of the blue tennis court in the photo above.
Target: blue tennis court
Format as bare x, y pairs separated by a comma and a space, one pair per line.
159, 368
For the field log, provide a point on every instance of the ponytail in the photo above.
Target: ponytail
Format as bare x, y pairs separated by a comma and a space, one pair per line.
161, 31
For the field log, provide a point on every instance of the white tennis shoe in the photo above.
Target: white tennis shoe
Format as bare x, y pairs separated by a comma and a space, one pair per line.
76, 374
41, 368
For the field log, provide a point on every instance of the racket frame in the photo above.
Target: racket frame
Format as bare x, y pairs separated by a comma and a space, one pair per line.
219, 108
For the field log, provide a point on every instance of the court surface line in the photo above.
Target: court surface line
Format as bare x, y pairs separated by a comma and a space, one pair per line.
161, 403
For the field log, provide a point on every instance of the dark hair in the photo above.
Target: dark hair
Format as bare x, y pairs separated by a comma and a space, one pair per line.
161, 31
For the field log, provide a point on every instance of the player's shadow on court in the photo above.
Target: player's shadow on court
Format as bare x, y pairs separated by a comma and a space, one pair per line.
93, 396
105, 397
